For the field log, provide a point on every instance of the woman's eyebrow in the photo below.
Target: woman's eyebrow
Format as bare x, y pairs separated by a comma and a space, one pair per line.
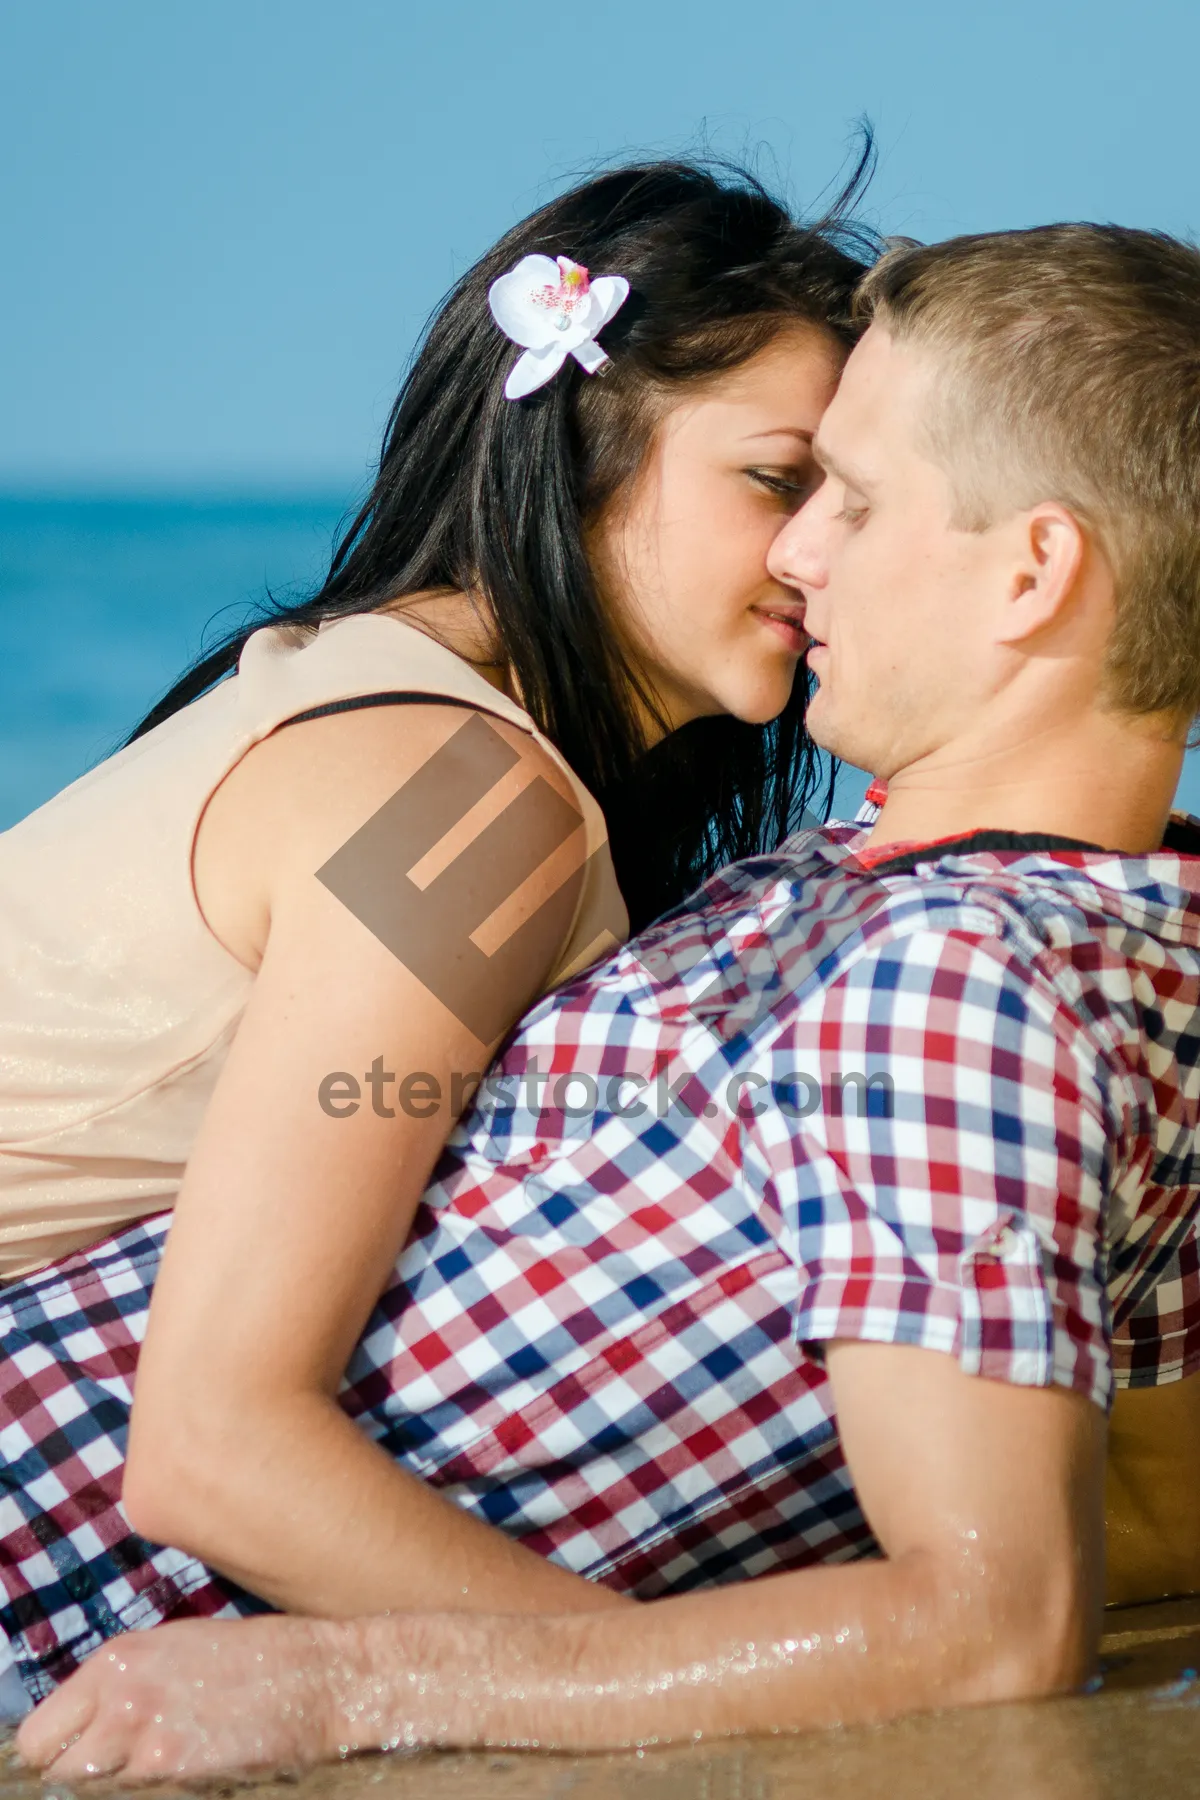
803, 433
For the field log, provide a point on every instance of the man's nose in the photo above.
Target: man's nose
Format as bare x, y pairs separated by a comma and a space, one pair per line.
795, 558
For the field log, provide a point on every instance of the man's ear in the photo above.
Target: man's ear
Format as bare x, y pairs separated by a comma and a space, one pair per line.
1050, 549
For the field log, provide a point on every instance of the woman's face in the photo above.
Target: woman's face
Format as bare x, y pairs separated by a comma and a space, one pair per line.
681, 555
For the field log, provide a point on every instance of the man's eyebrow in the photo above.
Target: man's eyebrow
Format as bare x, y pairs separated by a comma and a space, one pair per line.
851, 478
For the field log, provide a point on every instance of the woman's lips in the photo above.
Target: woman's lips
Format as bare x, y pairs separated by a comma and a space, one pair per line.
788, 626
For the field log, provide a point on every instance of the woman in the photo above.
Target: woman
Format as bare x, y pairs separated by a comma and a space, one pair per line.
254, 961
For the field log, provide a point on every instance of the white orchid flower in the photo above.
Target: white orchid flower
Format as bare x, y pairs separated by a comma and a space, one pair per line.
553, 309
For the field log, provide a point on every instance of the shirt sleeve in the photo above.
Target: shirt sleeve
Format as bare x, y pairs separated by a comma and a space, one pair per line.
941, 1134
1157, 1338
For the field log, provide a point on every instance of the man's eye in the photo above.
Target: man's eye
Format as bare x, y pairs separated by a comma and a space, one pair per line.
851, 515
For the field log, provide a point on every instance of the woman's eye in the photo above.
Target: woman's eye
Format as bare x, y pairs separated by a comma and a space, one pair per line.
789, 487
851, 515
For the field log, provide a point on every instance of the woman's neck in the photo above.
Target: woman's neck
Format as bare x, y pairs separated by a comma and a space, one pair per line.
460, 624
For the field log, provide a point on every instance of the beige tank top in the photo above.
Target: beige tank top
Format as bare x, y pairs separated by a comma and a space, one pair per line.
117, 1003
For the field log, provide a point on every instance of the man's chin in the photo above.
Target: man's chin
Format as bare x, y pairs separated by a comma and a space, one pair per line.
822, 726
846, 746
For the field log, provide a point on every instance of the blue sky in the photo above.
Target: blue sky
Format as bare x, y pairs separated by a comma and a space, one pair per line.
223, 224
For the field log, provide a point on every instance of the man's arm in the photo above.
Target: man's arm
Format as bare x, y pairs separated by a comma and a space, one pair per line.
1153, 1482
986, 1499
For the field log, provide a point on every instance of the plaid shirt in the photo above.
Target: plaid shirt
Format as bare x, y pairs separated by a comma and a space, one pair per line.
951, 1106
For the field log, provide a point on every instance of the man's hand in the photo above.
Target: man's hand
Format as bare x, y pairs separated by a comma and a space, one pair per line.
986, 1500
193, 1698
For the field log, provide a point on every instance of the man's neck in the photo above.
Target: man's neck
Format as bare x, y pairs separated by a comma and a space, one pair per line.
1108, 780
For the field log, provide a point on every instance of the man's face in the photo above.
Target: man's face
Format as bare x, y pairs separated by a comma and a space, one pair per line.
899, 602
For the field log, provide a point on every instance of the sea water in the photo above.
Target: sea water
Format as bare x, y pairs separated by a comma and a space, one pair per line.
105, 600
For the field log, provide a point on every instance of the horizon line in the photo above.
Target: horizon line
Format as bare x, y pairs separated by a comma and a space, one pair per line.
210, 486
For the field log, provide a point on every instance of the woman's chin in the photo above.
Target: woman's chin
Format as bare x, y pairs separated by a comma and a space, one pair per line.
759, 703
756, 700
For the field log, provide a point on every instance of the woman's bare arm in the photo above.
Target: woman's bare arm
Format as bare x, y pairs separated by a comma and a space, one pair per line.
295, 1207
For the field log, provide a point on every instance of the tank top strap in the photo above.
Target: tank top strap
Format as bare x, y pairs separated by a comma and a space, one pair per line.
361, 701
286, 670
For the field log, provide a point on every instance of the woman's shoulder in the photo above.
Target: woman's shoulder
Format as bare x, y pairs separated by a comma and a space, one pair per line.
370, 732
287, 670
448, 754
419, 791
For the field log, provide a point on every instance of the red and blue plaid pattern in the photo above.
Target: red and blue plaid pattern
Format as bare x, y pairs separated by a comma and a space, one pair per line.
605, 1334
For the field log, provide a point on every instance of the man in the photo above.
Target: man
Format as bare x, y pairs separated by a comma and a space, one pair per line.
882, 1162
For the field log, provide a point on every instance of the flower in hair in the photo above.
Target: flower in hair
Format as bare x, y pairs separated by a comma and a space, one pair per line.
553, 309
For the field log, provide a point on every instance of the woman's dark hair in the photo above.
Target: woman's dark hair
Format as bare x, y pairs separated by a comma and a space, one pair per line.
475, 492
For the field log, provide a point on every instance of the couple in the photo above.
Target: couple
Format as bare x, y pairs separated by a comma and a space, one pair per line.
876, 1174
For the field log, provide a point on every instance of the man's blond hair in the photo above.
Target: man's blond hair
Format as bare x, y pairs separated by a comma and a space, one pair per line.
1066, 367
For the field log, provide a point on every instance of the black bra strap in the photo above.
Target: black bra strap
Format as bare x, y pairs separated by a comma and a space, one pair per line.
388, 699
